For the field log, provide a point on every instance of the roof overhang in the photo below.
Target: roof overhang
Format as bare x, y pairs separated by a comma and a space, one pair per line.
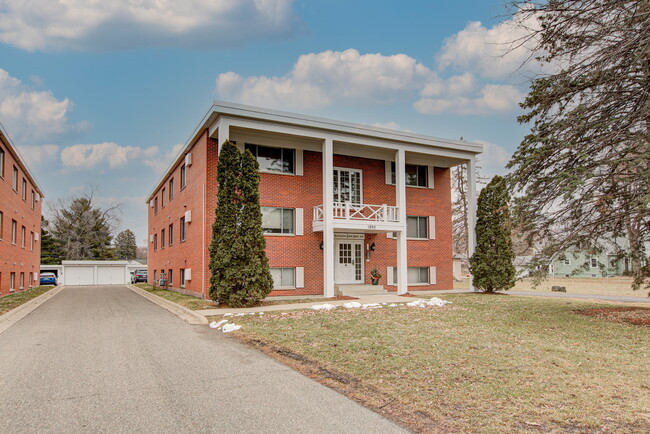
13, 150
223, 109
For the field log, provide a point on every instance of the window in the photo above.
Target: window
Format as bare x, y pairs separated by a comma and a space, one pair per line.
594, 262
2, 163
171, 189
33, 201
14, 231
24, 190
182, 278
22, 280
171, 234
155, 245
567, 262
155, 205
183, 176
416, 227
162, 239
182, 229
162, 197
415, 175
31, 279
277, 220
12, 281
283, 277
22, 236
31, 241
170, 275
14, 179
279, 160
2, 225
418, 275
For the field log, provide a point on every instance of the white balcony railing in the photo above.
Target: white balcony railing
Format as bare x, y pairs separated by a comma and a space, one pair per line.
363, 211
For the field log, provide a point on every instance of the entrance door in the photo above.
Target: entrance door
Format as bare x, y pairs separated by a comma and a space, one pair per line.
347, 186
349, 262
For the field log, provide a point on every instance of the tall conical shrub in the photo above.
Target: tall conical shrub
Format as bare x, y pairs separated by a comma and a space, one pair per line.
224, 247
240, 269
255, 274
492, 262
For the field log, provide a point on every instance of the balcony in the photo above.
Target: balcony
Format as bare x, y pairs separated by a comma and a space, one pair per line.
359, 217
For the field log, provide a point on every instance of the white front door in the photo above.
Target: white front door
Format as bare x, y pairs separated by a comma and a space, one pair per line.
349, 262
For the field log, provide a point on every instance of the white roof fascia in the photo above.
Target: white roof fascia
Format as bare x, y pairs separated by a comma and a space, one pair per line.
20, 160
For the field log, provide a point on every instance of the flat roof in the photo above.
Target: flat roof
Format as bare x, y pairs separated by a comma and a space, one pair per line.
19, 159
276, 116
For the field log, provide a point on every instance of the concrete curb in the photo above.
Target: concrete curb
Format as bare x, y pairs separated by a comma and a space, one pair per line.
13, 316
187, 315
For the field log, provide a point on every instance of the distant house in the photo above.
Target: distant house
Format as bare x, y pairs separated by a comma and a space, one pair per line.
611, 261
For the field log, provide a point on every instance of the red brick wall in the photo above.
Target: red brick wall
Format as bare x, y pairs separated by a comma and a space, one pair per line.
300, 192
187, 254
15, 258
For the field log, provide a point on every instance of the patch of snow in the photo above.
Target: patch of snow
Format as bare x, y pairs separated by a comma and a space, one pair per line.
424, 303
352, 305
372, 306
392, 305
230, 328
216, 325
227, 314
325, 306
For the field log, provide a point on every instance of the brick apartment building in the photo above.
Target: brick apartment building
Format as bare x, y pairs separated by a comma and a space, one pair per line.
20, 221
338, 200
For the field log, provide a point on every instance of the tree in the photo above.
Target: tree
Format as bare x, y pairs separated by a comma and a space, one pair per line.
583, 173
125, 245
51, 251
82, 229
238, 262
255, 274
492, 261
460, 207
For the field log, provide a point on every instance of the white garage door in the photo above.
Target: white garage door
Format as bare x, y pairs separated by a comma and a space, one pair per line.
110, 275
79, 275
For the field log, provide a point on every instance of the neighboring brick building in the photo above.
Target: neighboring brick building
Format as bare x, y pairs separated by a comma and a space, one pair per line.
319, 235
20, 221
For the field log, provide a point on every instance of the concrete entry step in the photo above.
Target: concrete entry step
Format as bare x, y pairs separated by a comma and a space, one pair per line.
356, 290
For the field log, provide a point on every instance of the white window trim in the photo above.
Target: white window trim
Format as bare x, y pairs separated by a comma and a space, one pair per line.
360, 172
591, 261
280, 234
388, 175
426, 238
272, 172
282, 288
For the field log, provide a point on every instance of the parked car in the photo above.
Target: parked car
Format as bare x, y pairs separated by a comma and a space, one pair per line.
139, 276
48, 279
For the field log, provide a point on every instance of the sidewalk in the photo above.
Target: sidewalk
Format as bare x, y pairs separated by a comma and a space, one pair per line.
388, 298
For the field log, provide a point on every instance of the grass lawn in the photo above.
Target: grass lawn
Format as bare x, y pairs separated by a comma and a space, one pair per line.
195, 303
12, 301
493, 363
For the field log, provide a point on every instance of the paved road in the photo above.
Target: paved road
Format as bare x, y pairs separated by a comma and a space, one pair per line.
104, 359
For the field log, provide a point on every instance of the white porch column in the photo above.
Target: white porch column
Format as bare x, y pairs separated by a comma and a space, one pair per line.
400, 196
471, 216
328, 218
223, 132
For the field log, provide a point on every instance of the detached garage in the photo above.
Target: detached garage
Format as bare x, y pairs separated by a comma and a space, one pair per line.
77, 273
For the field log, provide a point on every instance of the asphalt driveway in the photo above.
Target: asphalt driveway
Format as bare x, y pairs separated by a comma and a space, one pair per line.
104, 359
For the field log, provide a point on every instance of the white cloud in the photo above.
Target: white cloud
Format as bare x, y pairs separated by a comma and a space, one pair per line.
490, 99
493, 160
321, 79
494, 53
31, 114
103, 154
127, 24
160, 163
38, 155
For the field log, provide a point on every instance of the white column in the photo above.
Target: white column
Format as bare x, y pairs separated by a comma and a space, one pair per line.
328, 218
223, 132
471, 210
400, 196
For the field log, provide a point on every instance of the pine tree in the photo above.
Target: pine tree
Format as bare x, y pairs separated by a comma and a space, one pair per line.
225, 244
51, 250
255, 273
492, 262
125, 245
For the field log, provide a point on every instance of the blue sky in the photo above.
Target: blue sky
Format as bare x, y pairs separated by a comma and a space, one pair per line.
104, 93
